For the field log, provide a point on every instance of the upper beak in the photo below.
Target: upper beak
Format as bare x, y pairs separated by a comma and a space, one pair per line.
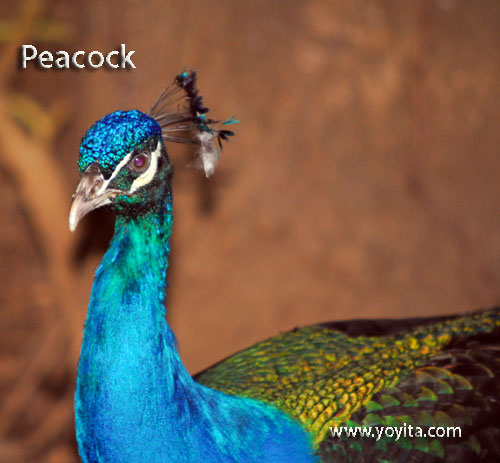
90, 194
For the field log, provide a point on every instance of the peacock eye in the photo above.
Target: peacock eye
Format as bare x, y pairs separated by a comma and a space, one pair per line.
139, 162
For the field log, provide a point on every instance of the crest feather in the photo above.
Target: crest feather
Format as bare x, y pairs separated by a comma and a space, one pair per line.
182, 117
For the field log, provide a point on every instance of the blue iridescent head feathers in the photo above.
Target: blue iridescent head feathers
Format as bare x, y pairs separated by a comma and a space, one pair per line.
177, 115
114, 136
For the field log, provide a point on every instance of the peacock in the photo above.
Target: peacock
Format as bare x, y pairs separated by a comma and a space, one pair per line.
303, 396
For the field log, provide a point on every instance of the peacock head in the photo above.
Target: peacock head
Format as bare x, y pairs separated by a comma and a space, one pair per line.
123, 161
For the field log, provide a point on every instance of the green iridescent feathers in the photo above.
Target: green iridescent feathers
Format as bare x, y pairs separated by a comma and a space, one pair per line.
445, 410
324, 377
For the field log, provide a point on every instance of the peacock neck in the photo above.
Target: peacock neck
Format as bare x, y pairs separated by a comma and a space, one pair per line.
135, 402
129, 372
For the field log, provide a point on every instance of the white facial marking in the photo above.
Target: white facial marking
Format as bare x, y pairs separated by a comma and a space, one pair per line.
122, 163
143, 179
149, 174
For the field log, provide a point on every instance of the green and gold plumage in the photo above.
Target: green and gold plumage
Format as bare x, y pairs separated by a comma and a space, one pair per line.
423, 372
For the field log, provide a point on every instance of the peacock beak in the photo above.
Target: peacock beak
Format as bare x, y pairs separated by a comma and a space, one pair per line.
90, 194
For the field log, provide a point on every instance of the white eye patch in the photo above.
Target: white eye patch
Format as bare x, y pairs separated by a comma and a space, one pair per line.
149, 173
143, 179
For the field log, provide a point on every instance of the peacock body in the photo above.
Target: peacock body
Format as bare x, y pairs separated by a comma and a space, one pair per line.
277, 401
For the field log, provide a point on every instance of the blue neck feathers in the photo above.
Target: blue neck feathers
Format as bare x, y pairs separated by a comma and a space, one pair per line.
135, 402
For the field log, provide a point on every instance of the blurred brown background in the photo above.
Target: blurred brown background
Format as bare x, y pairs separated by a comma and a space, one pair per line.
363, 180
